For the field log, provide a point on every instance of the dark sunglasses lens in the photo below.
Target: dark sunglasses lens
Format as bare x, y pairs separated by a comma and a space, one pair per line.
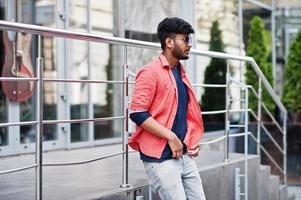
188, 40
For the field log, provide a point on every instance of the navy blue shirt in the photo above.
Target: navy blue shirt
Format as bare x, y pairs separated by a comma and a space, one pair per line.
179, 126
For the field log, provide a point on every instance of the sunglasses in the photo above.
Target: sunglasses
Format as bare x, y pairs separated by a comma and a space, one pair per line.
187, 40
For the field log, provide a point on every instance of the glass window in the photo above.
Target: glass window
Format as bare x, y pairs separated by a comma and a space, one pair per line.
44, 11
3, 108
78, 69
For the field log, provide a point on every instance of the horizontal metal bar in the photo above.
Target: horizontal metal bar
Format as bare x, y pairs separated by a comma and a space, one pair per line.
238, 134
222, 111
238, 110
260, 4
214, 140
18, 123
17, 79
132, 151
271, 137
209, 85
241, 100
272, 117
213, 112
54, 32
237, 125
83, 162
271, 159
72, 121
18, 169
201, 85
214, 54
82, 81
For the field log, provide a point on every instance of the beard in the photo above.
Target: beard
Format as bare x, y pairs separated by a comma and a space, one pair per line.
179, 54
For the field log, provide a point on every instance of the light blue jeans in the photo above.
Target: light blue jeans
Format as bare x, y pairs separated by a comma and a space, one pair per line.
175, 179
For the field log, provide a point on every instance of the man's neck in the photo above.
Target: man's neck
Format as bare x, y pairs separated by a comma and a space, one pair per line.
173, 62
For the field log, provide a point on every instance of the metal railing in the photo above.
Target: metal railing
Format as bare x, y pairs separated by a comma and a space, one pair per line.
46, 31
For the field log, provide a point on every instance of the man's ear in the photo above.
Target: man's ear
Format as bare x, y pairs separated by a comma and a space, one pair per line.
169, 42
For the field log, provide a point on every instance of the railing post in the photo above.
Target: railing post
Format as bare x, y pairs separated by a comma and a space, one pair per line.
227, 128
259, 117
285, 149
125, 147
246, 140
39, 127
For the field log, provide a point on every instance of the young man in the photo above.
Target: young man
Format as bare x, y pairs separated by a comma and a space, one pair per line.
168, 117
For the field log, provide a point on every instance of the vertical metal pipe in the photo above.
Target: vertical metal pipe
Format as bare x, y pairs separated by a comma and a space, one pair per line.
237, 184
227, 121
273, 42
240, 16
125, 148
246, 140
90, 92
285, 149
39, 127
259, 117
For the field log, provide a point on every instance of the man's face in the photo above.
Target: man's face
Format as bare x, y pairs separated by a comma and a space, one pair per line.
182, 45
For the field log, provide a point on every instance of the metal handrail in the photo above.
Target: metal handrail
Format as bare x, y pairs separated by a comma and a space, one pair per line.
18, 169
272, 159
271, 137
253, 114
221, 111
271, 116
254, 91
269, 156
253, 137
82, 120
267, 110
3, 78
238, 134
18, 123
84, 161
209, 85
47, 31
82, 81
213, 140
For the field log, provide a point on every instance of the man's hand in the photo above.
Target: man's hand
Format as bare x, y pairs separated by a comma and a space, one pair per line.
194, 151
176, 146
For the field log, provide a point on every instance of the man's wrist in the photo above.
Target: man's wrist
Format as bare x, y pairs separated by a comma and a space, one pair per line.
170, 136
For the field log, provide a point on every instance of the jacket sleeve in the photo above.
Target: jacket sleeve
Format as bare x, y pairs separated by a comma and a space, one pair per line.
144, 91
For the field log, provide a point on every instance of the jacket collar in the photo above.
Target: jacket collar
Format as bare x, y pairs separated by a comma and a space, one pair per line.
163, 60
165, 63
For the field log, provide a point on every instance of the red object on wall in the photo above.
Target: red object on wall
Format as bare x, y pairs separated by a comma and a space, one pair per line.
17, 63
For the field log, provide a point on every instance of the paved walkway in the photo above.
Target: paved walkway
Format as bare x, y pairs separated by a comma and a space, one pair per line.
295, 190
86, 181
